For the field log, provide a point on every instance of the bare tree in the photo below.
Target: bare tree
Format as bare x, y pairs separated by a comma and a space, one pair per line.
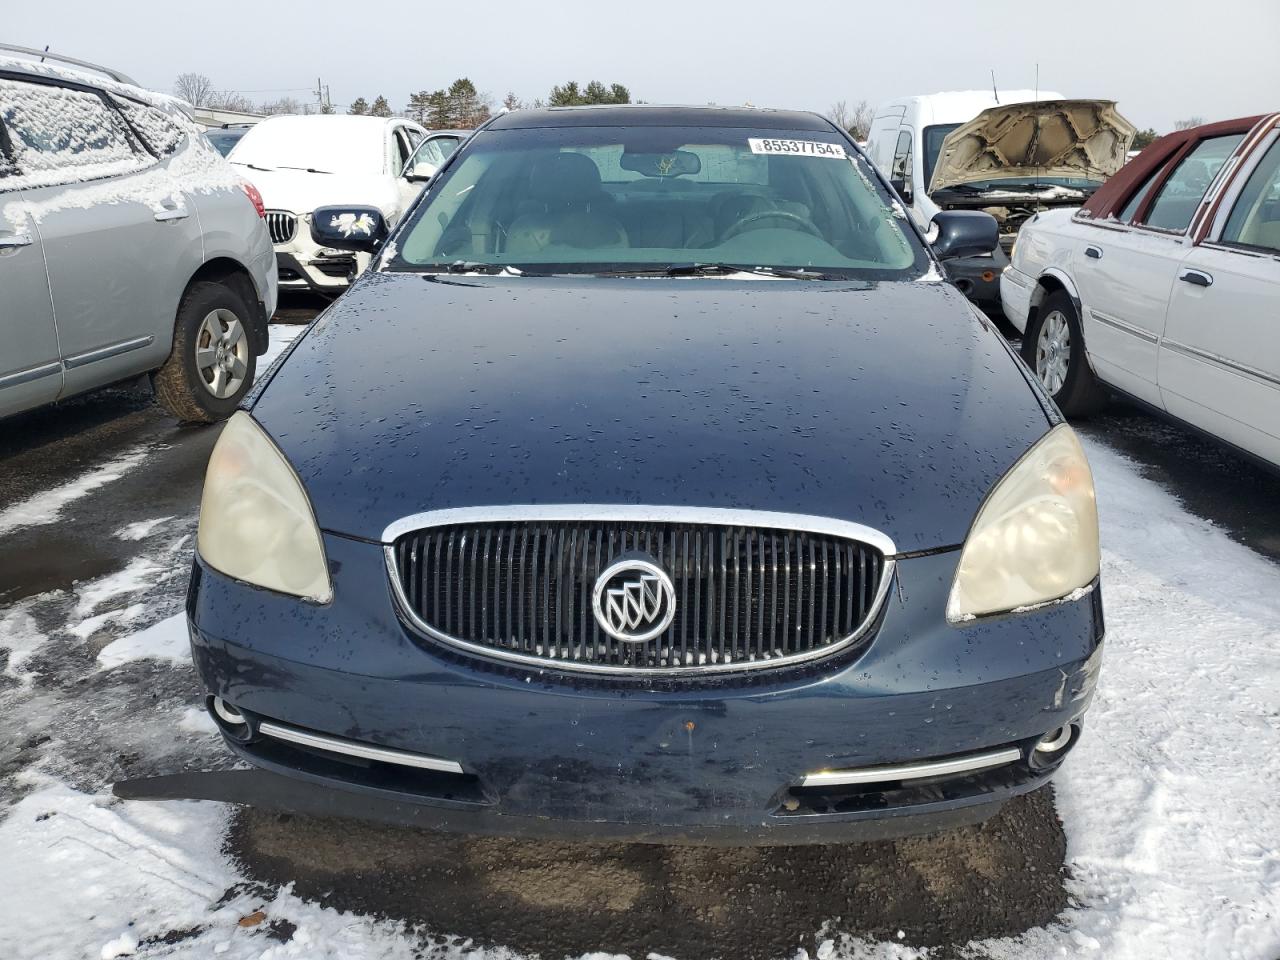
229, 100
512, 102
195, 88
856, 119
860, 120
284, 105
839, 114
1188, 123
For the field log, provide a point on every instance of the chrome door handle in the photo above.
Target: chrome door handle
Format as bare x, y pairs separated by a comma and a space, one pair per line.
1093, 253
175, 213
1197, 277
15, 240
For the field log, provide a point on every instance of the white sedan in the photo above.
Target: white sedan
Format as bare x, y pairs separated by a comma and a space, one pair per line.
1165, 286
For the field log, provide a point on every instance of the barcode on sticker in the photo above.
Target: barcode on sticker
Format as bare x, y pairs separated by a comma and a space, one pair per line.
797, 148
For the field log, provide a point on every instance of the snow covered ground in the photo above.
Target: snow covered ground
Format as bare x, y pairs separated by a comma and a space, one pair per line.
1169, 802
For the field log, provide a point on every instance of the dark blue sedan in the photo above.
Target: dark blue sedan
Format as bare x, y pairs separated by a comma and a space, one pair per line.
653, 483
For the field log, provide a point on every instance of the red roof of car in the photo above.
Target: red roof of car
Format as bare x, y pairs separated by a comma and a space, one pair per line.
1113, 194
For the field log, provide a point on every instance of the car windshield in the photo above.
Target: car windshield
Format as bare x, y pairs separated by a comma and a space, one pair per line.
322, 144
224, 140
608, 199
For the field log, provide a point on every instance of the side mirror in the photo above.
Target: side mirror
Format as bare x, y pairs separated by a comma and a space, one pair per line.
903, 188
420, 172
965, 233
361, 229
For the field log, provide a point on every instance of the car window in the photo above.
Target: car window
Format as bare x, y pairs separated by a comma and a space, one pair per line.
58, 135
161, 132
7, 168
435, 150
1135, 201
1181, 193
901, 169
414, 135
595, 199
400, 153
933, 137
1255, 218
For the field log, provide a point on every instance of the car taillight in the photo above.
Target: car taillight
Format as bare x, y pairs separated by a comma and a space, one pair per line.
255, 197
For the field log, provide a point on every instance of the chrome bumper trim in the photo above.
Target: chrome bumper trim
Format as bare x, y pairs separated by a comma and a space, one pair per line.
352, 749
913, 771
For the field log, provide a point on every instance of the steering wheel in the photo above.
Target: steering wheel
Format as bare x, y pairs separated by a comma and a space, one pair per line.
796, 220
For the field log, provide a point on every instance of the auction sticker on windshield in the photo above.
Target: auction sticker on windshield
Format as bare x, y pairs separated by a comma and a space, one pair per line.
806, 148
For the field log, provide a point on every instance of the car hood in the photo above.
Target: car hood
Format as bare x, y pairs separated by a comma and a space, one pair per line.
301, 192
1052, 138
890, 405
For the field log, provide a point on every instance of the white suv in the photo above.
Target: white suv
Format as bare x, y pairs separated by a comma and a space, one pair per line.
300, 163
128, 245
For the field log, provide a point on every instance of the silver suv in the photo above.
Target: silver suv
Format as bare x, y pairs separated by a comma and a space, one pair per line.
128, 245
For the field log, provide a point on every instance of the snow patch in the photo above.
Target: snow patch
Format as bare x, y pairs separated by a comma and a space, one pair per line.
142, 529
136, 576
197, 720
20, 635
88, 627
166, 640
47, 507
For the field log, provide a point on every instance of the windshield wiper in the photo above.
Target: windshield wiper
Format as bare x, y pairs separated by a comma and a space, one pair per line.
715, 270
305, 169
1010, 188
254, 166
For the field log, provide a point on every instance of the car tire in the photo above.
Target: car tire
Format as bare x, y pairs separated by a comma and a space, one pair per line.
1054, 350
214, 357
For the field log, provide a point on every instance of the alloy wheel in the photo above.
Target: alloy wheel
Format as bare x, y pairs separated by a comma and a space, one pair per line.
1053, 351
222, 353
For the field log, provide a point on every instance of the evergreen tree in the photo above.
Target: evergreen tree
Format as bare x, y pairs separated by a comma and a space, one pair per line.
359, 107
1142, 138
380, 107
571, 95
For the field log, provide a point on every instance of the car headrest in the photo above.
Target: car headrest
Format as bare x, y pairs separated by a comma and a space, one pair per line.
564, 178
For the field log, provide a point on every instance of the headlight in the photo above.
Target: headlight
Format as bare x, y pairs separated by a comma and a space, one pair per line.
1036, 537
256, 523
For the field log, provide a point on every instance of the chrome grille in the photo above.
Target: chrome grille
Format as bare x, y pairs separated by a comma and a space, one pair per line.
281, 225
747, 596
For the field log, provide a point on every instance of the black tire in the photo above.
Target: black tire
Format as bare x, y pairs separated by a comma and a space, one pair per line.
194, 394
1074, 389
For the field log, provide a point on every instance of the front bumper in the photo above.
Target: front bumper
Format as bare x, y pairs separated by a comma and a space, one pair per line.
549, 754
302, 264
1016, 289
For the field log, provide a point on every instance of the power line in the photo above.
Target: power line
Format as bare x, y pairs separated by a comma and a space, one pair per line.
276, 90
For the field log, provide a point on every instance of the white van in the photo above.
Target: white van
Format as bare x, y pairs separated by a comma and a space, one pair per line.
1012, 157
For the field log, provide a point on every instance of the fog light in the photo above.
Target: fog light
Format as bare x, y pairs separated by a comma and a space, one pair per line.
1054, 741
233, 724
229, 714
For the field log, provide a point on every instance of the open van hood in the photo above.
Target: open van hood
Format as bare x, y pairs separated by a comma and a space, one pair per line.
1052, 138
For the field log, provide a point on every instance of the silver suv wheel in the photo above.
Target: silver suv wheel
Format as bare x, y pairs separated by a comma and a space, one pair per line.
222, 353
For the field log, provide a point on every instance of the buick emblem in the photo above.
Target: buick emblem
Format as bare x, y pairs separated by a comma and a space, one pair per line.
634, 600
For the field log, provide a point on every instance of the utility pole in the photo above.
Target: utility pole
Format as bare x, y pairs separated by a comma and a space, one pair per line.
322, 96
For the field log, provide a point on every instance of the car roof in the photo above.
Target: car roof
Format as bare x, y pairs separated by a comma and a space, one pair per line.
1117, 191
653, 115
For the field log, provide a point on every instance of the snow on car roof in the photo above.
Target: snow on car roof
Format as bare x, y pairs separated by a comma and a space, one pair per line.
87, 76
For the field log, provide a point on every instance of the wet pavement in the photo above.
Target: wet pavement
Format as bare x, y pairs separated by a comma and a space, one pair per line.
110, 484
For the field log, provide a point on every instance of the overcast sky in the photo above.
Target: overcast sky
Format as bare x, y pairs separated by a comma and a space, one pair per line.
1162, 61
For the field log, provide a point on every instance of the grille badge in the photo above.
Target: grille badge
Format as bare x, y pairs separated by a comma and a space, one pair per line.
634, 600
